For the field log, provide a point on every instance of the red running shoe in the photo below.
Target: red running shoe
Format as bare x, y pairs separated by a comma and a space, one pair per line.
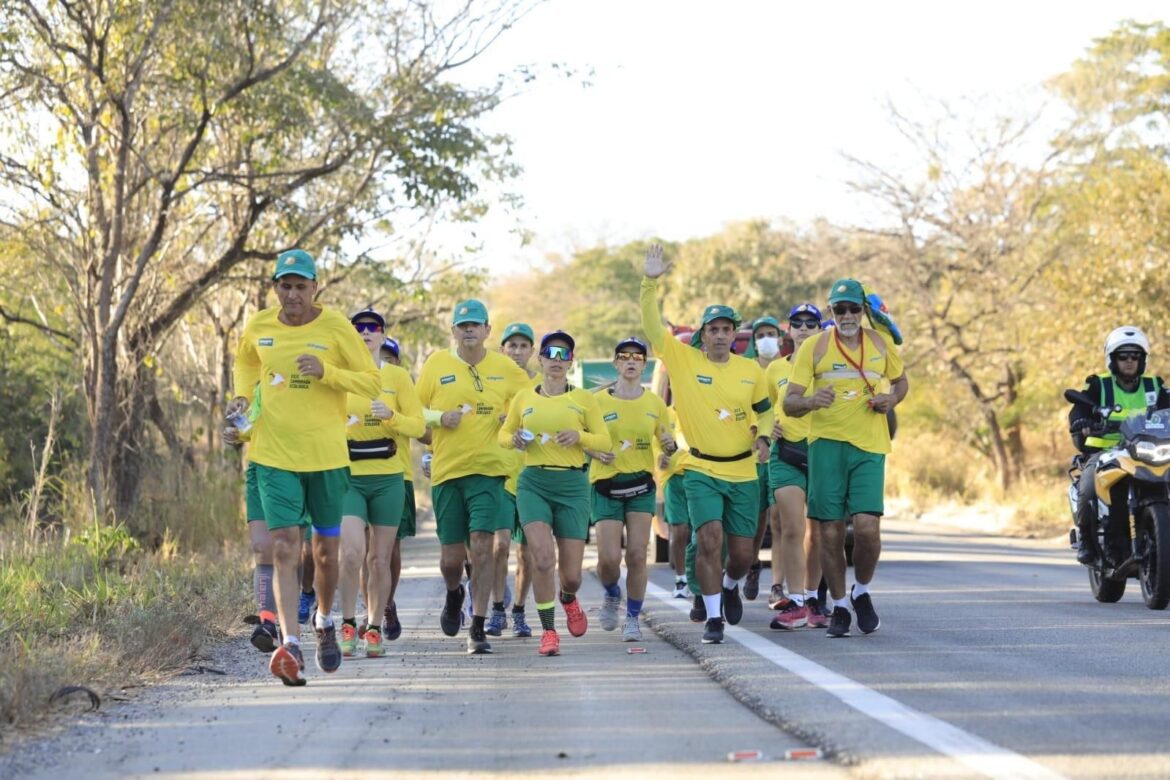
791, 617
578, 622
287, 663
550, 643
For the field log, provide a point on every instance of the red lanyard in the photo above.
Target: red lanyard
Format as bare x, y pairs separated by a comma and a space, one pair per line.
860, 364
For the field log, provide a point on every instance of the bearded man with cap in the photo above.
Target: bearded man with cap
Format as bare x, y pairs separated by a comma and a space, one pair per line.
305, 359
726, 415
465, 392
848, 440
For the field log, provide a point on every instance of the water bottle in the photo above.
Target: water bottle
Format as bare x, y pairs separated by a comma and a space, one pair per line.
240, 420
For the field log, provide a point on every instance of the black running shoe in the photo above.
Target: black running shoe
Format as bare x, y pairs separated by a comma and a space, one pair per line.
451, 618
867, 619
839, 622
732, 605
713, 635
265, 637
699, 610
328, 651
751, 586
477, 643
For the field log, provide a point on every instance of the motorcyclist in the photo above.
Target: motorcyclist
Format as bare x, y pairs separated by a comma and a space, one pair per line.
1127, 389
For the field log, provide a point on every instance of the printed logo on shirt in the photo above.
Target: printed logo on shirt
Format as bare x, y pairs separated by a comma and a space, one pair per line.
494, 378
322, 347
839, 366
446, 380
610, 417
652, 415
703, 380
747, 381
266, 342
782, 382
876, 359
526, 412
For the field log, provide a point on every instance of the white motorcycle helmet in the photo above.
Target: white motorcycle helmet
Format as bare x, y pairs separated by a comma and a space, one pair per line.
1126, 336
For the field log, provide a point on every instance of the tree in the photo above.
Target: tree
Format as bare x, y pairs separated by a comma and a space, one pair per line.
144, 164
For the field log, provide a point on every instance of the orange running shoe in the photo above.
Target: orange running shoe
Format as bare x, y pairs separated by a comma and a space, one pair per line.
348, 640
374, 642
550, 643
578, 622
287, 663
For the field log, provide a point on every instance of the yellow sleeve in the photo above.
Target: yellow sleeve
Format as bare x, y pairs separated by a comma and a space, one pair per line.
407, 421
802, 365
894, 367
360, 375
651, 314
511, 424
596, 435
246, 370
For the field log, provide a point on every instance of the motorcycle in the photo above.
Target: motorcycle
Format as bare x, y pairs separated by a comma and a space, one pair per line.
1142, 459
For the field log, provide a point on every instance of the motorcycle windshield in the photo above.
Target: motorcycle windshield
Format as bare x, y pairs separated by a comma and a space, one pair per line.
1151, 426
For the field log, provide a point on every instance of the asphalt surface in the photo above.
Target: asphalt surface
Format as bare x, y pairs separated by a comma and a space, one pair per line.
992, 660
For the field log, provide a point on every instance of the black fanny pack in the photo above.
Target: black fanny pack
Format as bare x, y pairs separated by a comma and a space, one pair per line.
721, 458
794, 456
622, 490
373, 449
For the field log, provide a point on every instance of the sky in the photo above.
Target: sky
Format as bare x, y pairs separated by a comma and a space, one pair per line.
697, 114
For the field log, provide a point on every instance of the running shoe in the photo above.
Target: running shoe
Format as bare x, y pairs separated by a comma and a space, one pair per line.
265, 637
477, 643
816, 614
839, 622
681, 591
776, 597
374, 646
451, 618
520, 628
328, 652
732, 605
496, 623
578, 623
631, 631
713, 634
791, 617
751, 586
348, 641
608, 616
550, 643
867, 619
288, 664
699, 610
391, 625
305, 608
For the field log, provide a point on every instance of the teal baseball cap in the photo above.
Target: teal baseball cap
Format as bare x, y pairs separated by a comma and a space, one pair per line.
848, 291
470, 310
719, 312
519, 329
765, 320
295, 262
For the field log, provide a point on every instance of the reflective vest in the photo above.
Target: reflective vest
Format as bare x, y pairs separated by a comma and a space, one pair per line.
1143, 399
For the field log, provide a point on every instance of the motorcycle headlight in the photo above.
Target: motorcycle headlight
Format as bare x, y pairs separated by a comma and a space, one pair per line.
1154, 454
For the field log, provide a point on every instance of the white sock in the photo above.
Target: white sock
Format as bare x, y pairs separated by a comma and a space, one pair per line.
797, 599
680, 579
810, 594
714, 605
859, 589
323, 621
729, 583
842, 603
292, 640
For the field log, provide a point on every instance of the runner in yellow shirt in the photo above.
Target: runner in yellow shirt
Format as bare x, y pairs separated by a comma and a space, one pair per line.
669, 450
306, 358
765, 348
623, 486
465, 392
554, 424
721, 400
377, 494
849, 437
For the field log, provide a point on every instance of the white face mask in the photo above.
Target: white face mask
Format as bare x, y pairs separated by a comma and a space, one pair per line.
768, 346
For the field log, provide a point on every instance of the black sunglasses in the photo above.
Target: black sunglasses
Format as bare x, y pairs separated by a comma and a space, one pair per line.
802, 322
846, 308
368, 327
475, 378
1128, 355
557, 352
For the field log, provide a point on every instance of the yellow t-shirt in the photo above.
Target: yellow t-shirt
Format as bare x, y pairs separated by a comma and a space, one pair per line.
516, 457
301, 426
795, 428
447, 383
576, 410
678, 460
633, 426
849, 418
717, 403
399, 395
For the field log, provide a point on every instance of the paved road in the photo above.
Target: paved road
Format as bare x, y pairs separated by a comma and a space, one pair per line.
992, 660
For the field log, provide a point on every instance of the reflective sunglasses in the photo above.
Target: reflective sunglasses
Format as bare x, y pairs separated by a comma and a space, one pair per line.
556, 352
846, 308
802, 322
368, 327
637, 357
1128, 355
475, 379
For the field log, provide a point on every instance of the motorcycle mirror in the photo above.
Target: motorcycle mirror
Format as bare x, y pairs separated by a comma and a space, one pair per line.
1077, 397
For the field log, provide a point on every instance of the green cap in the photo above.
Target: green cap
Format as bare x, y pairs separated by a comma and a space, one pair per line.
470, 310
766, 320
847, 290
519, 329
296, 262
719, 312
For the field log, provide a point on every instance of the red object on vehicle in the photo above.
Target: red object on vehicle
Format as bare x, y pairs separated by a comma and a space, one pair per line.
745, 755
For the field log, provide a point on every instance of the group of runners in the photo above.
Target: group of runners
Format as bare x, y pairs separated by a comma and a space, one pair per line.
520, 458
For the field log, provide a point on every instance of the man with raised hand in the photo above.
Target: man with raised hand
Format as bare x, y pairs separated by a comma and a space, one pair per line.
721, 400
848, 439
305, 358
465, 393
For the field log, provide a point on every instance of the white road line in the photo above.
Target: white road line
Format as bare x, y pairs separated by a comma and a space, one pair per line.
974, 752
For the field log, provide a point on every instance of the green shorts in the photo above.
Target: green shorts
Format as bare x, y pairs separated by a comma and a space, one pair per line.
464, 505
606, 508
844, 481
252, 505
517, 529
376, 498
559, 497
767, 498
735, 504
290, 498
406, 527
782, 474
674, 499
